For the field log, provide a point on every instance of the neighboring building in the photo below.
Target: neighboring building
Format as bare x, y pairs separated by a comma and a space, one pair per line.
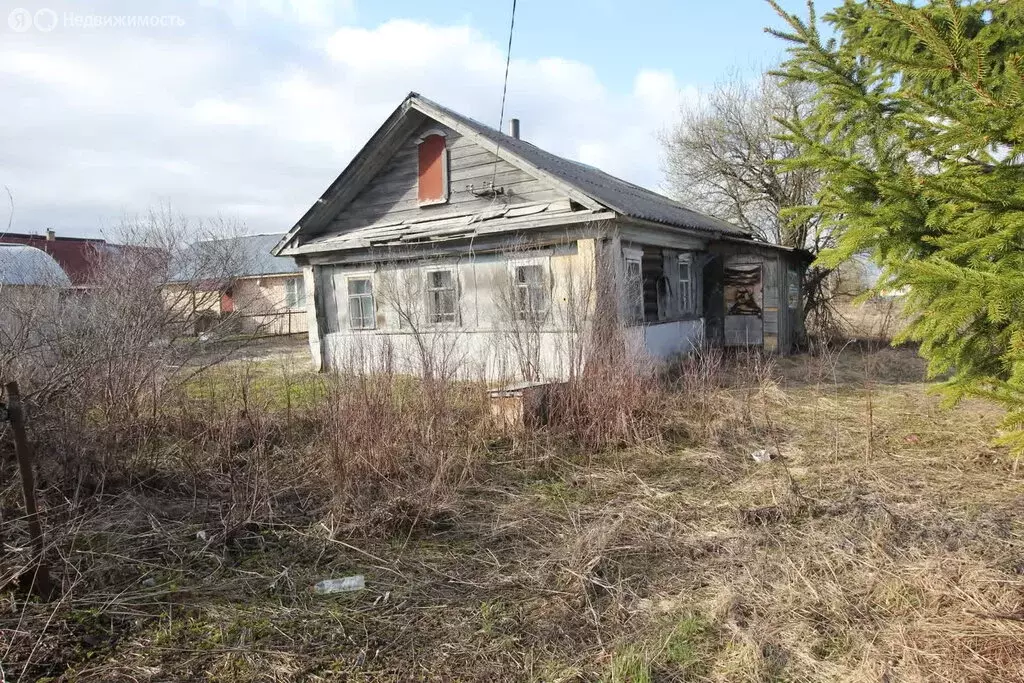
77, 256
237, 279
486, 235
30, 279
31, 268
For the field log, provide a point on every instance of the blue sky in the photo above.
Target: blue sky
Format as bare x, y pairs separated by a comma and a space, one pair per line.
700, 41
248, 109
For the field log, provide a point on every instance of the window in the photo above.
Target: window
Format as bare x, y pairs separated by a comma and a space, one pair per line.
294, 293
687, 303
441, 297
362, 314
227, 301
634, 291
432, 181
793, 288
531, 293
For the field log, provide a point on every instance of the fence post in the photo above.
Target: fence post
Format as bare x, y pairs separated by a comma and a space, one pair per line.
41, 582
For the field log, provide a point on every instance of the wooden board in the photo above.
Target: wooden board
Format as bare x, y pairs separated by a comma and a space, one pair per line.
392, 195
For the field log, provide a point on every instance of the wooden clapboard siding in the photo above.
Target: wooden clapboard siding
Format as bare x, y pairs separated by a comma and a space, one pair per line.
392, 195
482, 166
405, 197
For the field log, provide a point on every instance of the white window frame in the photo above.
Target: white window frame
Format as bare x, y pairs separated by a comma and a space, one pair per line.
445, 162
686, 296
295, 299
634, 300
349, 296
545, 286
429, 290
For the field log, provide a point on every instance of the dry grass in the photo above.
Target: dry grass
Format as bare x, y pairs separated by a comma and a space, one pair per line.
883, 548
399, 449
879, 318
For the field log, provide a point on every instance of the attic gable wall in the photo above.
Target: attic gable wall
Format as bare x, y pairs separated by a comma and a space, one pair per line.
391, 195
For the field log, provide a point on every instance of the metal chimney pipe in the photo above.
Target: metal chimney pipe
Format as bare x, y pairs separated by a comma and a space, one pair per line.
513, 128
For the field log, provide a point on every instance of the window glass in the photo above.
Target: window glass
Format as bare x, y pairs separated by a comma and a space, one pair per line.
531, 292
686, 298
441, 296
793, 288
362, 314
294, 293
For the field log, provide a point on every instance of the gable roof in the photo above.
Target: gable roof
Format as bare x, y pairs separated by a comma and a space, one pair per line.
232, 257
584, 184
620, 196
27, 266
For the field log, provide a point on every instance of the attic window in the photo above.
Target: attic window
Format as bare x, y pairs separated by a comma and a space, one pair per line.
432, 182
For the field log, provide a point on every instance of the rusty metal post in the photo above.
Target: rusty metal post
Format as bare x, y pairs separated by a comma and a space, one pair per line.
41, 582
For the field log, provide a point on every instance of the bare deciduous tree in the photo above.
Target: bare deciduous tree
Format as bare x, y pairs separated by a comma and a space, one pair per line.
118, 343
726, 157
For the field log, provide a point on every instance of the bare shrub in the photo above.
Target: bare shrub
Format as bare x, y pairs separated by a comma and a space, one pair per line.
402, 417
96, 363
612, 403
436, 343
399, 447
542, 309
697, 380
614, 398
726, 397
521, 296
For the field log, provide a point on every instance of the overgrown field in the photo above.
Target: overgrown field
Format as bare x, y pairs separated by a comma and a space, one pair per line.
636, 540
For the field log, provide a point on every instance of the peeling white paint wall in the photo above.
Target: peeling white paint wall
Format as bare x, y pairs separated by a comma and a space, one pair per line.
663, 341
488, 341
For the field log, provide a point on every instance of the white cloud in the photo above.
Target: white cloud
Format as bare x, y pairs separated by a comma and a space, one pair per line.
218, 112
317, 14
253, 119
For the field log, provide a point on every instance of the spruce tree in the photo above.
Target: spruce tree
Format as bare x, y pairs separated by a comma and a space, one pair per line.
918, 128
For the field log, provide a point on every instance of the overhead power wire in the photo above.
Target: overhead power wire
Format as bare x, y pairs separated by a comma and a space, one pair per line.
504, 88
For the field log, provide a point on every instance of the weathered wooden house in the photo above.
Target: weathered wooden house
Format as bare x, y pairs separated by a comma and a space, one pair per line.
444, 228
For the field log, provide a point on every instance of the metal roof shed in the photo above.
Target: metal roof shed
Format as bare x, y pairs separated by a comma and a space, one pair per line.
23, 266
